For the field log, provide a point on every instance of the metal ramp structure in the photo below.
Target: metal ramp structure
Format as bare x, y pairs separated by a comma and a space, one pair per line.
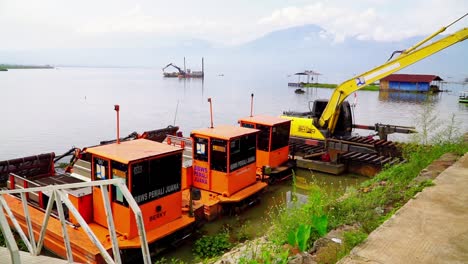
58, 196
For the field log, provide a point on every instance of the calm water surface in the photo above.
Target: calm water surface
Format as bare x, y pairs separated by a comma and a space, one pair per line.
53, 110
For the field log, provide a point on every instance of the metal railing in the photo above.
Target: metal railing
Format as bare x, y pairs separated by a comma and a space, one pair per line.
182, 142
58, 196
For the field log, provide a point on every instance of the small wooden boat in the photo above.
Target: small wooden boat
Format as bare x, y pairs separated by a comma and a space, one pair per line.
299, 91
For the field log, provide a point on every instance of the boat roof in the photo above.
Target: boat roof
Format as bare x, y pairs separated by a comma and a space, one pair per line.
132, 150
265, 120
225, 132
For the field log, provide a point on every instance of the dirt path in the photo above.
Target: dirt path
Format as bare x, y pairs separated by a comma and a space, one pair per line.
432, 228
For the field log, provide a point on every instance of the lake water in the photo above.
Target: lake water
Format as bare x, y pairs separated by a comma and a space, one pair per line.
46, 110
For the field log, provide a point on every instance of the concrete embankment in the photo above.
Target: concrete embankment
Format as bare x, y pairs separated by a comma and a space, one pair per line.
431, 228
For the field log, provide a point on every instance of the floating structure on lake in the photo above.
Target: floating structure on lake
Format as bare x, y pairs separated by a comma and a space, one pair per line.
420, 83
310, 76
184, 73
463, 97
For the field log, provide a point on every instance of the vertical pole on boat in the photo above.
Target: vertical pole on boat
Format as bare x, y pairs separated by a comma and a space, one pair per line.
202, 67
251, 105
211, 112
117, 108
191, 203
185, 70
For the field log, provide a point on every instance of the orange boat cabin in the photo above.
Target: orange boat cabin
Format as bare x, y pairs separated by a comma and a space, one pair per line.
152, 173
273, 161
224, 166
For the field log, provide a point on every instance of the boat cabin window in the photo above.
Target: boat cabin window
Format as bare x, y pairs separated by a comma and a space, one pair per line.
280, 136
218, 155
242, 151
201, 149
101, 167
264, 137
156, 178
247, 125
119, 171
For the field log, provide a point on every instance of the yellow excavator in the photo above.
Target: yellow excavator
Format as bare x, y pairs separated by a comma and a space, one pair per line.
332, 118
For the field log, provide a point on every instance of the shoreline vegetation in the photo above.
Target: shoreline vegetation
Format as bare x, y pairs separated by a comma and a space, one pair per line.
327, 226
6, 67
370, 87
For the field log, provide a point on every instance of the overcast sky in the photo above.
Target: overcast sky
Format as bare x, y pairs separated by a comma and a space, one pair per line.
32, 24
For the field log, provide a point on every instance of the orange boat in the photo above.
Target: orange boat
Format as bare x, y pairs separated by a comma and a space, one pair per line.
273, 163
150, 170
223, 169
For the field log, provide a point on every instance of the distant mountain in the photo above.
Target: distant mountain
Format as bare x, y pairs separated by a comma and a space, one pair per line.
310, 47
284, 52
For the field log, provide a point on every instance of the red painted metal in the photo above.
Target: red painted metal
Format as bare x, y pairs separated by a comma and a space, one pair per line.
411, 78
117, 108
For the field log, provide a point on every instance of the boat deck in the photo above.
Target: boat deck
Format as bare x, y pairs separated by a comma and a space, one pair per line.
54, 179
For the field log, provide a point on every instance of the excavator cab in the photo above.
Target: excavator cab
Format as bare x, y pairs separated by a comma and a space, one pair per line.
305, 124
344, 126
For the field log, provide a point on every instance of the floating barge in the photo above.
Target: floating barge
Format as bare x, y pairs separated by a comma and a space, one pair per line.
184, 73
361, 155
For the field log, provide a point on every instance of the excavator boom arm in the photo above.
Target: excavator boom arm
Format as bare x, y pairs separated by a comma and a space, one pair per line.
330, 114
170, 64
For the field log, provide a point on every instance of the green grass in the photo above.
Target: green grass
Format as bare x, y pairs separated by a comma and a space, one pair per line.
366, 206
370, 87
16, 66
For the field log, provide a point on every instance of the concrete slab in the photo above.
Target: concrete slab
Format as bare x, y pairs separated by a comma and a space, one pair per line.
432, 228
26, 258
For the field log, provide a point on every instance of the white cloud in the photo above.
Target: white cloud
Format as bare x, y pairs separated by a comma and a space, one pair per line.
370, 20
113, 23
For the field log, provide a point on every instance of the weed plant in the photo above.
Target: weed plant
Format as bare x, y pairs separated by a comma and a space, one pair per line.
212, 246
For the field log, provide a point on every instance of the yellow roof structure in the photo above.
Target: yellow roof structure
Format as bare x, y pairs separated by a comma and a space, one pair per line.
225, 132
265, 120
137, 149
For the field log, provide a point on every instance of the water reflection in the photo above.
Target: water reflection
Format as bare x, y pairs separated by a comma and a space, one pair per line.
408, 97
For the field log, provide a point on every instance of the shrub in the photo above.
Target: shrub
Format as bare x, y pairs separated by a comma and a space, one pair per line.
211, 246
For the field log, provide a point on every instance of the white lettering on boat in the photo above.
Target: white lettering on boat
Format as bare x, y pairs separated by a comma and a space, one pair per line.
154, 194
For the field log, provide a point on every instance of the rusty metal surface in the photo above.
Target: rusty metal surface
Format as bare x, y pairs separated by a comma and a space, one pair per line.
362, 155
27, 166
